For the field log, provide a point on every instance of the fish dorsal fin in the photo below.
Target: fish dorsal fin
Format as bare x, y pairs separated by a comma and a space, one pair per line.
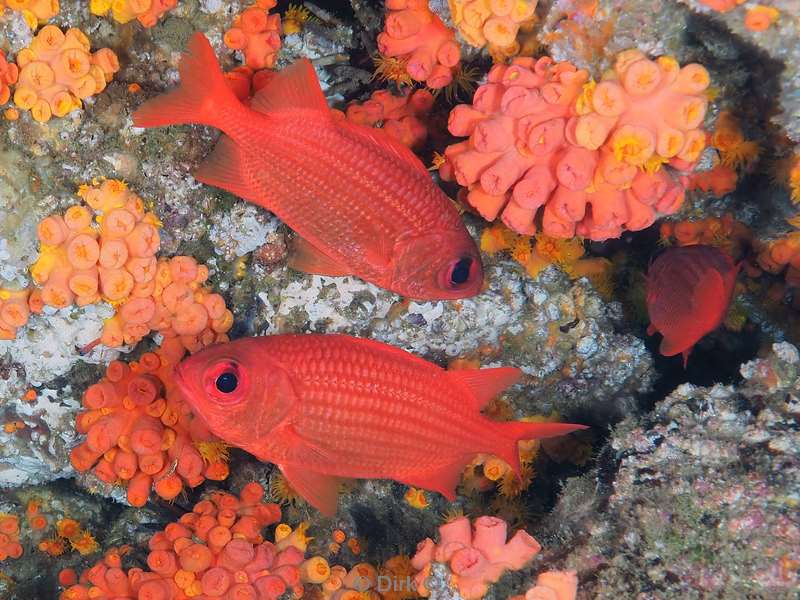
380, 138
709, 293
442, 479
224, 168
306, 257
296, 86
486, 384
320, 491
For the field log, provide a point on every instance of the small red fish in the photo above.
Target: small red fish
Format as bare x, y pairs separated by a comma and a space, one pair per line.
689, 290
362, 202
326, 407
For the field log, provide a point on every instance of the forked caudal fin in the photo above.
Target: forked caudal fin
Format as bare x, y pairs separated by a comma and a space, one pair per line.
203, 95
514, 432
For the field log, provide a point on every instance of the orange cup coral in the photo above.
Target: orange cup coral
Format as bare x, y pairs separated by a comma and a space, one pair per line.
476, 556
140, 431
413, 33
35, 12
148, 12
215, 551
589, 155
552, 585
494, 22
257, 34
402, 117
760, 18
9, 72
57, 71
86, 257
9, 537
14, 312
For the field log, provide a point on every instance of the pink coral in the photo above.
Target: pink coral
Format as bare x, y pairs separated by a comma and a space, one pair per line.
552, 585
589, 155
257, 34
477, 556
8, 77
57, 72
216, 550
402, 117
415, 34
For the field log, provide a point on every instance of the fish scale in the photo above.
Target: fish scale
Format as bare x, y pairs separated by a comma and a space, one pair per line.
361, 202
325, 407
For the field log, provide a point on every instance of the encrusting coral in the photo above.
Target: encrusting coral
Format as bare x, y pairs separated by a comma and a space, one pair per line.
476, 556
141, 433
417, 37
493, 22
35, 12
57, 71
257, 34
589, 155
9, 72
217, 550
147, 12
108, 253
402, 117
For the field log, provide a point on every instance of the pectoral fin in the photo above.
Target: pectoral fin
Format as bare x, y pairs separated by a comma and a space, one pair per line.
320, 491
306, 257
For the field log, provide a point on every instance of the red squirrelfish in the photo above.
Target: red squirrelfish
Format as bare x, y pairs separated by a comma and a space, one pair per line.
327, 407
362, 202
689, 290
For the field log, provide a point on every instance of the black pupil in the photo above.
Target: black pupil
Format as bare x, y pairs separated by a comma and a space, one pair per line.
227, 382
461, 271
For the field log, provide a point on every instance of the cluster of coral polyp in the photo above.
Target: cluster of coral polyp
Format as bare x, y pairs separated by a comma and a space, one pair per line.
141, 433
147, 12
57, 71
257, 34
9, 537
215, 551
9, 72
552, 585
590, 156
399, 116
417, 36
782, 254
108, 253
494, 23
14, 312
35, 12
476, 558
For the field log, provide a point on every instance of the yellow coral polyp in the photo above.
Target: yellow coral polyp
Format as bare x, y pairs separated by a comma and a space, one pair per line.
35, 12
57, 71
632, 145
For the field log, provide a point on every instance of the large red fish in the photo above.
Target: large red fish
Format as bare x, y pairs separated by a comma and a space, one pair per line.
363, 203
326, 407
689, 290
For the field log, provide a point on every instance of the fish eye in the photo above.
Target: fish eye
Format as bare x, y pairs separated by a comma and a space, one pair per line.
460, 271
227, 382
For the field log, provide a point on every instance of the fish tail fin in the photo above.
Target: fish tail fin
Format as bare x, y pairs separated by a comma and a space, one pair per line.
514, 432
202, 97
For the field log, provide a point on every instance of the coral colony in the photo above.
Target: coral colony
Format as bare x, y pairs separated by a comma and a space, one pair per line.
455, 276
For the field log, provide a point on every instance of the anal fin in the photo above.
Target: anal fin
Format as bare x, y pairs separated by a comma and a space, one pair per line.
442, 479
224, 168
319, 490
306, 257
